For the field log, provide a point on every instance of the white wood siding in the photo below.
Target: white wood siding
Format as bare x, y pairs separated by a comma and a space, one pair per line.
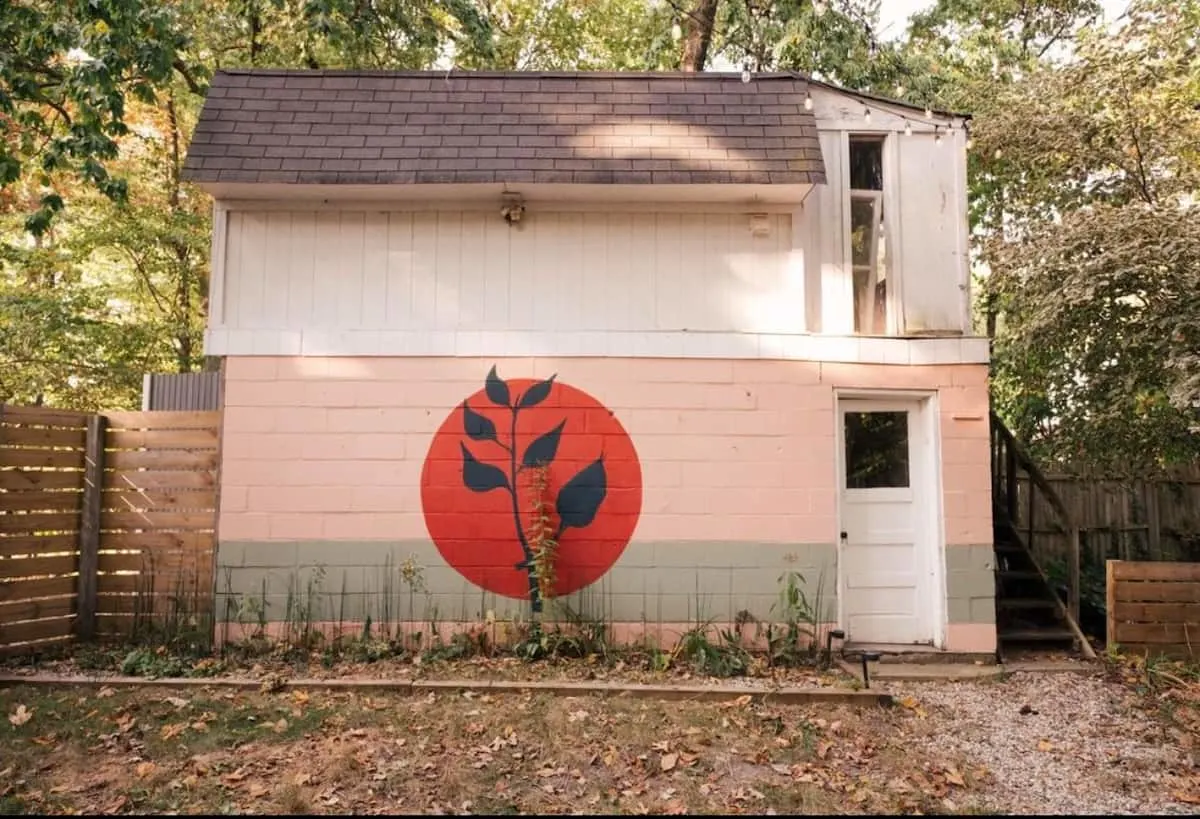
461, 270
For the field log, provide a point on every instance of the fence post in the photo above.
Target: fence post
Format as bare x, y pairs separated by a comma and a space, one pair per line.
1110, 603
1073, 574
89, 528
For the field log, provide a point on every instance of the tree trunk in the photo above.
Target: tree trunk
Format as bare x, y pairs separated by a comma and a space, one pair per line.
698, 31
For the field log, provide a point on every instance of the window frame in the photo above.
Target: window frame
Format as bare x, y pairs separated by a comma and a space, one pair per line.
887, 199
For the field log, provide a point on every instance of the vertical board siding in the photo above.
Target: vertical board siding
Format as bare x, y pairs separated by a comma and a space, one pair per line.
452, 271
929, 234
182, 391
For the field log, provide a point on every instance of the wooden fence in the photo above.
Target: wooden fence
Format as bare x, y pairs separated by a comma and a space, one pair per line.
106, 523
1154, 607
1151, 520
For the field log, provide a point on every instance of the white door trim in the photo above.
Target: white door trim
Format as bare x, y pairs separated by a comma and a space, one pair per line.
925, 463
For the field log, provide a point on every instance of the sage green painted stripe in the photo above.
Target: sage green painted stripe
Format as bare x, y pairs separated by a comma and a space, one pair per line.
971, 584
665, 581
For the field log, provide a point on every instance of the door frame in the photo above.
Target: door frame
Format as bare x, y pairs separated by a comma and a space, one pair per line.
926, 480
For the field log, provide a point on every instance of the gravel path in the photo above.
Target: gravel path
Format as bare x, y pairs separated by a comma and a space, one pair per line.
1084, 745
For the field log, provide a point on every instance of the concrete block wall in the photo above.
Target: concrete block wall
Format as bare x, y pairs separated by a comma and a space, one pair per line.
323, 458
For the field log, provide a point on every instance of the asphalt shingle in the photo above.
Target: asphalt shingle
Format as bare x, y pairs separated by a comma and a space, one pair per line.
354, 127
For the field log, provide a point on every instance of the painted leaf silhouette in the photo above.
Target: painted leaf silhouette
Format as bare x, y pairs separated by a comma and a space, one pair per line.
477, 427
580, 498
536, 394
481, 477
496, 388
543, 449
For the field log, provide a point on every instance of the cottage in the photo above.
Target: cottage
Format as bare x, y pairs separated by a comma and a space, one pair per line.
706, 331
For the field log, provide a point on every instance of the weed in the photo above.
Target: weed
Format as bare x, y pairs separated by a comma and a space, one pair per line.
795, 639
726, 657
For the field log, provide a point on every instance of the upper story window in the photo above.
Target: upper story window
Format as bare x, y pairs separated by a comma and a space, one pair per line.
868, 239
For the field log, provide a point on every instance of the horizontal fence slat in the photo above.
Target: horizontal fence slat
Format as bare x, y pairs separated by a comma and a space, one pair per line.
11, 567
1145, 570
42, 458
41, 436
1145, 633
14, 590
110, 521
1158, 612
52, 522
1148, 592
181, 459
161, 439
42, 416
113, 541
159, 499
184, 584
152, 479
41, 500
31, 545
200, 419
1179, 650
25, 479
156, 561
108, 605
37, 609
36, 630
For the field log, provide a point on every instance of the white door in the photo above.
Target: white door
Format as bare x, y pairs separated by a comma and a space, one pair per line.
886, 560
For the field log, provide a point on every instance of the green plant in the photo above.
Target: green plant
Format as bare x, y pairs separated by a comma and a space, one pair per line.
726, 657
795, 639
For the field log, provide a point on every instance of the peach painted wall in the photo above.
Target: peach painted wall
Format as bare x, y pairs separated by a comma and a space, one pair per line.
332, 448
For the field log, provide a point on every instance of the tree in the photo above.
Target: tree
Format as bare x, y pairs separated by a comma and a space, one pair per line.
1095, 255
67, 70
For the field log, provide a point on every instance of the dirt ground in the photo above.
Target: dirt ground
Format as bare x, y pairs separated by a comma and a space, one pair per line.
945, 748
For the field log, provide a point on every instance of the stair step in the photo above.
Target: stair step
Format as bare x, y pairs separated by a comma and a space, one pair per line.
1009, 549
1012, 574
1026, 603
1038, 635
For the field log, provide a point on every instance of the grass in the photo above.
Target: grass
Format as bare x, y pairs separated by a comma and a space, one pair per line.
155, 750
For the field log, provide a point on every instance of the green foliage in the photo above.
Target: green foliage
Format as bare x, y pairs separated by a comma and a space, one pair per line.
796, 639
726, 656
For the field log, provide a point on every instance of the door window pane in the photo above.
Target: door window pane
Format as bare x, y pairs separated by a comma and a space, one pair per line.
876, 449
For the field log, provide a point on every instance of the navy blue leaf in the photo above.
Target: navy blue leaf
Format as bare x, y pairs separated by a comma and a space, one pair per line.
580, 498
481, 477
477, 427
496, 388
536, 394
543, 449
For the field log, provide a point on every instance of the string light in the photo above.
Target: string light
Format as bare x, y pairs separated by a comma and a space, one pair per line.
746, 72
900, 90
867, 116
676, 32
808, 101
819, 8
937, 135
907, 128
928, 113
967, 131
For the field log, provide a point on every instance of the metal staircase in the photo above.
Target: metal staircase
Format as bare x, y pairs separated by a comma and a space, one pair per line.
1030, 612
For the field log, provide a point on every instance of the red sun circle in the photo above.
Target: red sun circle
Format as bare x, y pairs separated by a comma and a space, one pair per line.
476, 531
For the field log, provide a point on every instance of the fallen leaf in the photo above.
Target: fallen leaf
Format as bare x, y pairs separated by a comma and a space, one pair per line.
1045, 745
21, 716
172, 731
300, 697
1189, 798
280, 726
955, 778
202, 727
178, 702
145, 769
257, 790
668, 761
302, 778
104, 692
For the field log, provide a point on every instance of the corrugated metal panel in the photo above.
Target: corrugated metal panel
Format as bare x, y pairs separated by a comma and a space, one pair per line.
182, 391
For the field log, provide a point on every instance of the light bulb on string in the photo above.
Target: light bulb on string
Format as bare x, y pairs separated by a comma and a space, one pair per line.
970, 142
746, 73
907, 128
819, 8
676, 32
808, 101
900, 89
928, 113
867, 116
937, 135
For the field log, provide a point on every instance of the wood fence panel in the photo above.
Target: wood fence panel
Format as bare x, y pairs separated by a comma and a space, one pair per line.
1154, 608
139, 488
41, 502
158, 518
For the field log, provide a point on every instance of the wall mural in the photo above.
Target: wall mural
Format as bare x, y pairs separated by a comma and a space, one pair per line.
477, 488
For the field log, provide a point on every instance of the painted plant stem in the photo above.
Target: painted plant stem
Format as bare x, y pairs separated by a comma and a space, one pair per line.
535, 597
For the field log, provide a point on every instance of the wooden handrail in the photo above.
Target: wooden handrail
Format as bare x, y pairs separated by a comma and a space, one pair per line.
1026, 462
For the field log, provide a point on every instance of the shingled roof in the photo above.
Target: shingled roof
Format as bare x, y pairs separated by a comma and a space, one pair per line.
357, 127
